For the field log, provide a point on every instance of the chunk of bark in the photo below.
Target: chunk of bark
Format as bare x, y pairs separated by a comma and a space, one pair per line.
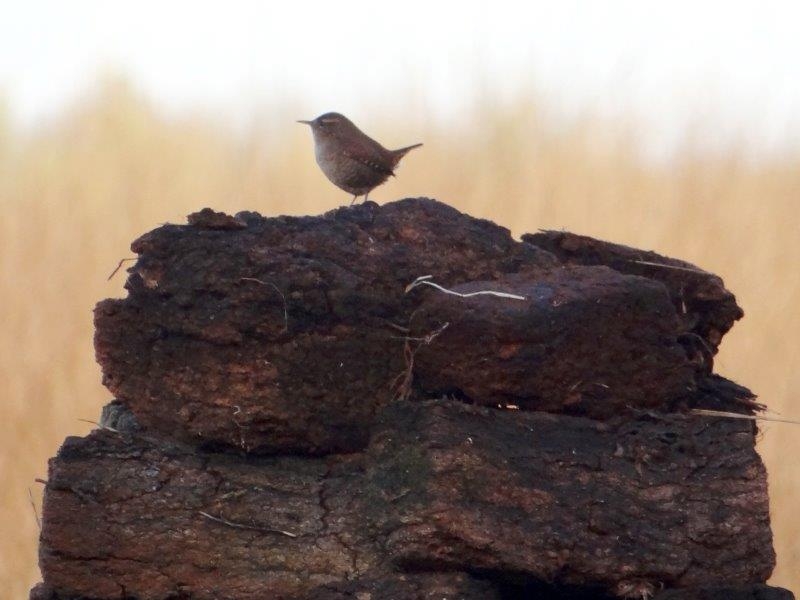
515, 498
244, 336
128, 516
706, 307
285, 335
586, 340
673, 500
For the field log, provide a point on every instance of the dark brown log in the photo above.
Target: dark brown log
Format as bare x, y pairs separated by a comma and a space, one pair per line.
293, 422
667, 500
287, 334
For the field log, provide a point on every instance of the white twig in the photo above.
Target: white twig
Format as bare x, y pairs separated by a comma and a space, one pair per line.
244, 526
663, 266
35, 512
277, 289
99, 425
119, 266
425, 280
407, 377
426, 339
730, 415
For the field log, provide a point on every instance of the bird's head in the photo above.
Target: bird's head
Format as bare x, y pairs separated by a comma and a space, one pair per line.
330, 125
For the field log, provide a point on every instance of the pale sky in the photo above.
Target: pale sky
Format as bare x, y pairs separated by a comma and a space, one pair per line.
732, 65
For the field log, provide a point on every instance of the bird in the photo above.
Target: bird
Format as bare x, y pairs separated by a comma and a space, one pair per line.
351, 159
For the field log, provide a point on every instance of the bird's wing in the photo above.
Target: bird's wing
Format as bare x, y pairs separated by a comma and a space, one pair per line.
370, 153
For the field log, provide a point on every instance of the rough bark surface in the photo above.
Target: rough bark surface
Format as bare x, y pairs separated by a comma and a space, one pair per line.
706, 307
442, 486
292, 422
128, 516
573, 499
286, 334
586, 340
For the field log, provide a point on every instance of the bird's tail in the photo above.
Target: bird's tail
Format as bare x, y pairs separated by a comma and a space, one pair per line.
401, 152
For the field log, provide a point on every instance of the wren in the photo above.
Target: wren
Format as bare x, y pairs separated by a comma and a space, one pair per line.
351, 159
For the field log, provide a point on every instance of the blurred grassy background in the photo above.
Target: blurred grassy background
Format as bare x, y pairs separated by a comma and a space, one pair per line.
76, 191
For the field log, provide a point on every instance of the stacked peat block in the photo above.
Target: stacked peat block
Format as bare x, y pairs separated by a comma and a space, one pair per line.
292, 421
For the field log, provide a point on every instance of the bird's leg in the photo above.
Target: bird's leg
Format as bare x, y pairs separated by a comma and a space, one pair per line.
366, 197
353, 200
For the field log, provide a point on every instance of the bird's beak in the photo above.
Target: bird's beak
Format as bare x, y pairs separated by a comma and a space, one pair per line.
305, 122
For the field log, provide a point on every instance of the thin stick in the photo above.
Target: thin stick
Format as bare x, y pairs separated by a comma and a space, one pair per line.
424, 280
397, 327
243, 526
663, 266
99, 425
119, 266
408, 339
275, 287
35, 512
406, 378
730, 415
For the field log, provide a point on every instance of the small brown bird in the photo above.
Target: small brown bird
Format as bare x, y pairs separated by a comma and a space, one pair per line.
350, 158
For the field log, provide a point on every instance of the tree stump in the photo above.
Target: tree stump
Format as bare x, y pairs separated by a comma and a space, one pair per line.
293, 420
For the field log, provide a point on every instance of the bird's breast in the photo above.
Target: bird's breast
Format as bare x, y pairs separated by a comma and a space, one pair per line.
345, 172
